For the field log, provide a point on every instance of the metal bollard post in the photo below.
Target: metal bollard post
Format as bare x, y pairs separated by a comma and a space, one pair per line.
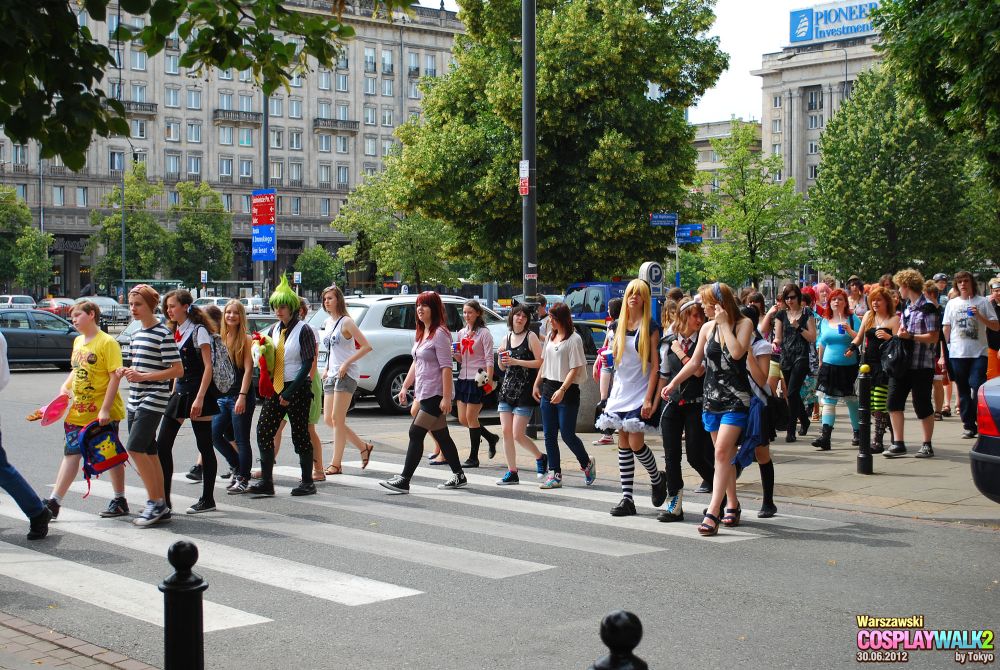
621, 631
183, 635
864, 420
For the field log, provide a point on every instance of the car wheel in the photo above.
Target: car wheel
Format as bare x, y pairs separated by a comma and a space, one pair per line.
388, 393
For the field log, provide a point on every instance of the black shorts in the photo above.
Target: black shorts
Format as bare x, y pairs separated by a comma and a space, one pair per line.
920, 384
142, 427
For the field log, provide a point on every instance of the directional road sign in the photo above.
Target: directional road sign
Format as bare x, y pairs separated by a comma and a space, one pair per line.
663, 219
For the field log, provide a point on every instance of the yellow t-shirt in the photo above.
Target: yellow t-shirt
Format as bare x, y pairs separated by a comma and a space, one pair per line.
93, 362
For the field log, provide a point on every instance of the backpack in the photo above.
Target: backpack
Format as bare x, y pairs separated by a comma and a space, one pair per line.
223, 370
101, 450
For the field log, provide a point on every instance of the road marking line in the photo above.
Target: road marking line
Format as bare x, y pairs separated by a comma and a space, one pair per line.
115, 593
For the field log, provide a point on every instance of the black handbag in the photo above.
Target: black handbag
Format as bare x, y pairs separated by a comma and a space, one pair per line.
896, 355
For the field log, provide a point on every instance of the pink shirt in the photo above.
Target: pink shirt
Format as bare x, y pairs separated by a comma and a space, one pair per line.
431, 354
481, 354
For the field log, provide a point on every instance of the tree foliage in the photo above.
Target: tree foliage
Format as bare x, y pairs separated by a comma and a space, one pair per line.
894, 191
608, 152
203, 239
51, 83
33, 266
319, 268
15, 219
758, 218
945, 53
410, 243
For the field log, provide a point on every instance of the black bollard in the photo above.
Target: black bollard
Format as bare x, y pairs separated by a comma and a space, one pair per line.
183, 635
621, 631
864, 421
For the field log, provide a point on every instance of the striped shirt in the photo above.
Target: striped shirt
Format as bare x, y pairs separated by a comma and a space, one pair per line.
153, 350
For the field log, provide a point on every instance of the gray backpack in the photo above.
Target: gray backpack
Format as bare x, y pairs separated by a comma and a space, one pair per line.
223, 370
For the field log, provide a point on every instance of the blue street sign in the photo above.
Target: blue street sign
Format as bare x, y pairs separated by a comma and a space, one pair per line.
688, 228
689, 240
663, 219
263, 244
677, 278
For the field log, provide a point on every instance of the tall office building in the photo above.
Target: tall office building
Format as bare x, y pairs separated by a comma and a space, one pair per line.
805, 83
324, 134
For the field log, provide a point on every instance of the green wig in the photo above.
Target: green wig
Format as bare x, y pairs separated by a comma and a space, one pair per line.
284, 296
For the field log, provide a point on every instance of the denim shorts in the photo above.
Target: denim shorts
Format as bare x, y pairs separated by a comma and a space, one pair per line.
520, 411
712, 420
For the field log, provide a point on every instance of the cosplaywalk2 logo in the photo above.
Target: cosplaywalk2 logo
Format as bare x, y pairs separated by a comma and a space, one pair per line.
891, 639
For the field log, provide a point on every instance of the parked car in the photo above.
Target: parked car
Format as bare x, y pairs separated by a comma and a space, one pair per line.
218, 301
113, 313
58, 306
389, 322
254, 305
985, 455
36, 336
17, 302
589, 300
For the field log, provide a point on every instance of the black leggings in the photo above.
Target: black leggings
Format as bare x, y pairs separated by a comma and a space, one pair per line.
795, 375
203, 438
686, 419
415, 449
271, 415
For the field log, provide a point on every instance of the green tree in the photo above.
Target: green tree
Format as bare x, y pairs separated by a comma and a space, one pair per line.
203, 239
894, 191
15, 218
758, 218
410, 243
147, 243
944, 52
33, 266
319, 268
609, 152
51, 83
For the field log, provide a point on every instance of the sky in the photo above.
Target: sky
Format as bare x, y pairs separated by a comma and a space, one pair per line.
747, 29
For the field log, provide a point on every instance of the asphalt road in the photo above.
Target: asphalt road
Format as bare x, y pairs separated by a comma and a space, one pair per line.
488, 577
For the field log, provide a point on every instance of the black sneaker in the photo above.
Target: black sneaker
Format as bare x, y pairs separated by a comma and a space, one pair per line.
195, 473
262, 487
767, 510
201, 506
228, 475
456, 481
625, 508
968, 433
790, 436
304, 489
116, 507
856, 439
239, 488
399, 484
660, 491
896, 449
470, 463
492, 440
705, 487
926, 451
38, 525
52, 506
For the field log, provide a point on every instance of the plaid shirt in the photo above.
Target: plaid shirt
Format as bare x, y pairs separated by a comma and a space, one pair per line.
919, 322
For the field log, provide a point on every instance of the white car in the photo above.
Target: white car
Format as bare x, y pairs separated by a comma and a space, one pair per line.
389, 322
218, 301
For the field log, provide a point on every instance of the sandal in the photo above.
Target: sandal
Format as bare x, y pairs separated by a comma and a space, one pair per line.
319, 476
938, 416
946, 410
366, 454
732, 517
333, 470
707, 531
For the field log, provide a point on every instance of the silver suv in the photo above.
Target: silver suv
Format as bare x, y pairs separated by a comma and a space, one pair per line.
389, 322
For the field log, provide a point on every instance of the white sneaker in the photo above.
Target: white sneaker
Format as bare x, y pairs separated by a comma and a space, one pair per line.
152, 514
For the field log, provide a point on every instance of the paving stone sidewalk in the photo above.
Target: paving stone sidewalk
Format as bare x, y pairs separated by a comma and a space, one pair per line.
26, 646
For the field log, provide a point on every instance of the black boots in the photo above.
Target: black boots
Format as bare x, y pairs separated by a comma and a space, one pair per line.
823, 441
881, 423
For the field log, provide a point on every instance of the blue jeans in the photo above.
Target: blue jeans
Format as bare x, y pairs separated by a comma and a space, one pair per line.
13, 483
969, 374
561, 419
228, 421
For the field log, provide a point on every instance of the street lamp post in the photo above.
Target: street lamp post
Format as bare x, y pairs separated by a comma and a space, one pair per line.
529, 202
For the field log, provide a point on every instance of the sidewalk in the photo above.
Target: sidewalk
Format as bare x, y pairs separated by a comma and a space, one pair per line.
938, 488
24, 646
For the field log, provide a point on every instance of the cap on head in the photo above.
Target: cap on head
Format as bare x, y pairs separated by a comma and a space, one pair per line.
940, 276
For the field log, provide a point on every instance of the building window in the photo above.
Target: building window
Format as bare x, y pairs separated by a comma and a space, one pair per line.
414, 114
194, 132
324, 207
371, 86
171, 97
296, 203
295, 140
139, 156
369, 170
274, 106
246, 168
226, 135
138, 60
413, 64
777, 176
116, 160
430, 65
295, 172
247, 202
370, 116
324, 174
813, 148
342, 144
776, 102
369, 59
194, 165
225, 100
343, 176
813, 171
138, 93
20, 154
343, 111
116, 58
227, 202
81, 18
325, 110
138, 129
414, 86
246, 137
325, 142
387, 87
225, 167
226, 75
172, 131
246, 76
174, 198
276, 136
386, 61
115, 90
815, 121
324, 80
775, 149
173, 164
279, 205
194, 98
814, 101
370, 145
387, 116
387, 147
246, 102
342, 82
343, 62
172, 64
295, 81
113, 27
277, 169
58, 196
81, 196
776, 125
294, 108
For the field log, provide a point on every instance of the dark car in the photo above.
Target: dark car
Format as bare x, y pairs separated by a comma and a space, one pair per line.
35, 336
985, 456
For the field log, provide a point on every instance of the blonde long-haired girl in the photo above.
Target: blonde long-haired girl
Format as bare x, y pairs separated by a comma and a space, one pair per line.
632, 403
237, 405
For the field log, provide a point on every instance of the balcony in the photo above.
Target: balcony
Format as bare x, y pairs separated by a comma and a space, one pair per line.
172, 176
246, 181
20, 168
117, 174
324, 184
387, 68
275, 181
225, 179
343, 186
236, 116
413, 71
133, 107
369, 66
335, 124
295, 183
57, 169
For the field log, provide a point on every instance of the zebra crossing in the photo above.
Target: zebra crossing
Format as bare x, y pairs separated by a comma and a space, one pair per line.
484, 532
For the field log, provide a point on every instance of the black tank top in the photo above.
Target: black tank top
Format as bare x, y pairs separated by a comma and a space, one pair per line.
873, 346
727, 388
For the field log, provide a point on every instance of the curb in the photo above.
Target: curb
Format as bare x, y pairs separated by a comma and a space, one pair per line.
31, 645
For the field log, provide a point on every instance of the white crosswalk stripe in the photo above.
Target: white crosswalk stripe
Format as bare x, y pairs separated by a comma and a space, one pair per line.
107, 590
